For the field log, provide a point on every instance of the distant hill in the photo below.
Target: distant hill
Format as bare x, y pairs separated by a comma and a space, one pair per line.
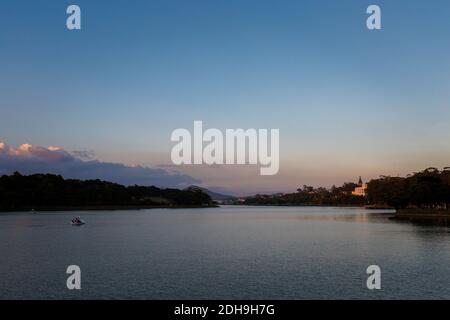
214, 195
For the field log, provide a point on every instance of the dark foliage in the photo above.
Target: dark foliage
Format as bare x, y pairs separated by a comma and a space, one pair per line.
47, 190
336, 196
428, 189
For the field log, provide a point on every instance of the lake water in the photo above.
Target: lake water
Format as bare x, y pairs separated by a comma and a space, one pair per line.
222, 253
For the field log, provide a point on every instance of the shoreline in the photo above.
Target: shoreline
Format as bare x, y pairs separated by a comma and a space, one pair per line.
137, 207
422, 215
100, 208
302, 205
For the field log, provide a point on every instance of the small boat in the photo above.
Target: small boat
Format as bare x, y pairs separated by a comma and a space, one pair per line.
33, 211
77, 221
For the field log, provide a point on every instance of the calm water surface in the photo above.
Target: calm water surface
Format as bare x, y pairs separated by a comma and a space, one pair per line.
222, 253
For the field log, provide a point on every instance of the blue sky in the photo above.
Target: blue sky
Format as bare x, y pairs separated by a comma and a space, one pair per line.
348, 101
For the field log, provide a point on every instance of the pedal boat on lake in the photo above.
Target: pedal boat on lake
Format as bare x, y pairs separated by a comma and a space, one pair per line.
78, 221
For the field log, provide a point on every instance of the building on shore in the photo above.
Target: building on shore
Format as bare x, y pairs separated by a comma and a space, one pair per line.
360, 190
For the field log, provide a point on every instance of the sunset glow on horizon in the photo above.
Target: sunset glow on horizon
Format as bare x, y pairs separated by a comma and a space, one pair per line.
348, 102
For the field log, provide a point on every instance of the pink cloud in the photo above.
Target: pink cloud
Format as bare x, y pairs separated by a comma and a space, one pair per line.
29, 159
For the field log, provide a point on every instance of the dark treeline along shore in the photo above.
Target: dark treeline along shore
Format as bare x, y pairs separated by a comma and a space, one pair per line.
422, 194
53, 192
310, 196
428, 189
419, 197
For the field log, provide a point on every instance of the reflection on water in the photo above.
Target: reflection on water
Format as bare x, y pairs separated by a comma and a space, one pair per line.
223, 253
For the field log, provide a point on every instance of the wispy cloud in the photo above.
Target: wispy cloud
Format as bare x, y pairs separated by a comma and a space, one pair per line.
29, 159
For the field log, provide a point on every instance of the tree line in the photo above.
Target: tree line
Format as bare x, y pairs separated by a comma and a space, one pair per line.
428, 189
20, 192
308, 195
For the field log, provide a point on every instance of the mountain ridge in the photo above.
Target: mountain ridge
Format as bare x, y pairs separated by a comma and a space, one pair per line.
214, 195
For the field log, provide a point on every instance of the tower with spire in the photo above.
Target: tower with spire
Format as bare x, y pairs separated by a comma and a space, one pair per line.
360, 190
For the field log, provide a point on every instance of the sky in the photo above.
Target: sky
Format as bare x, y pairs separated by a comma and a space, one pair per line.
348, 101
